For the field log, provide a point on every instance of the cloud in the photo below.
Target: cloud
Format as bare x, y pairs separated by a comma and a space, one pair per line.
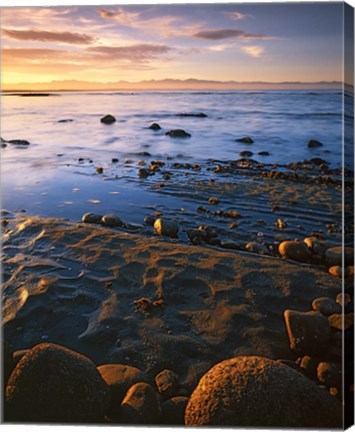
220, 48
49, 36
237, 16
253, 50
228, 33
139, 53
119, 15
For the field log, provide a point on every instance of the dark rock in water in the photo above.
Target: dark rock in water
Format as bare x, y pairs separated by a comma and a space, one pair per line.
329, 374
318, 161
246, 140
65, 121
178, 133
264, 153
173, 410
259, 392
119, 378
326, 306
155, 126
8, 361
166, 228
201, 115
150, 220
258, 248
295, 250
18, 142
108, 119
144, 173
92, 218
54, 384
246, 153
114, 160
333, 256
213, 200
99, 170
167, 382
308, 332
111, 220
314, 143
140, 405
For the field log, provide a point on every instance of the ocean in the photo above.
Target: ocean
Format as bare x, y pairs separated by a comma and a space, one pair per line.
56, 174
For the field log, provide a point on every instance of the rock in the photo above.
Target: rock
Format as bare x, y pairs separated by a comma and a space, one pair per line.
343, 299
230, 244
65, 121
246, 140
92, 218
315, 245
258, 392
114, 160
336, 321
99, 170
258, 248
308, 332
108, 119
167, 382
314, 143
140, 405
119, 378
292, 365
178, 133
295, 250
280, 224
166, 227
213, 200
333, 256
51, 383
336, 271
144, 173
8, 361
309, 365
18, 142
201, 115
154, 126
264, 153
246, 153
326, 306
111, 220
173, 410
329, 374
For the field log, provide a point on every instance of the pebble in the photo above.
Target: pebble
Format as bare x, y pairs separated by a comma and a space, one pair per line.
295, 250
54, 384
309, 365
167, 382
314, 143
343, 299
108, 119
173, 410
259, 392
333, 256
178, 133
140, 405
99, 170
246, 153
336, 321
155, 126
213, 200
144, 173
258, 248
92, 218
246, 140
114, 160
308, 332
326, 306
166, 228
111, 220
264, 153
201, 115
329, 374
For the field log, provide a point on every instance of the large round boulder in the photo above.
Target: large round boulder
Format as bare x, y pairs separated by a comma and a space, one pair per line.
51, 383
258, 392
295, 250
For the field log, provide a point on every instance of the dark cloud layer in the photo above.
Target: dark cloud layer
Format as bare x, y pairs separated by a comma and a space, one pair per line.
49, 36
226, 34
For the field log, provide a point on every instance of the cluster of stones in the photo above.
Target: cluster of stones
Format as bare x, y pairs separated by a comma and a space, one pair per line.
109, 220
316, 337
51, 383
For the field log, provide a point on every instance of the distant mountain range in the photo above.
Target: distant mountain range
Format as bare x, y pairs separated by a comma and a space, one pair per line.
169, 84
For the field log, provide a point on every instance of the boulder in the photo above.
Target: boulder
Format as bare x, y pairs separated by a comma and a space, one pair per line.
314, 143
259, 392
246, 140
92, 218
166, 227
329, 374
18, 142
343, 299
315, 245
326, 306
167, 382
111, 220
178, 133
119, 378
295, 250
308, 332
173, 410
51, 383
154, 126
258, 248
333, 256
341, 322
144, 173
246, 153
108, 119
140, 405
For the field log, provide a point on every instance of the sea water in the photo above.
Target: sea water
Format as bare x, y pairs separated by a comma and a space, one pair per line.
56, 174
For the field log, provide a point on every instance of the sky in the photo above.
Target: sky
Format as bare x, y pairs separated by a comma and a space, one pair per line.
268, 42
